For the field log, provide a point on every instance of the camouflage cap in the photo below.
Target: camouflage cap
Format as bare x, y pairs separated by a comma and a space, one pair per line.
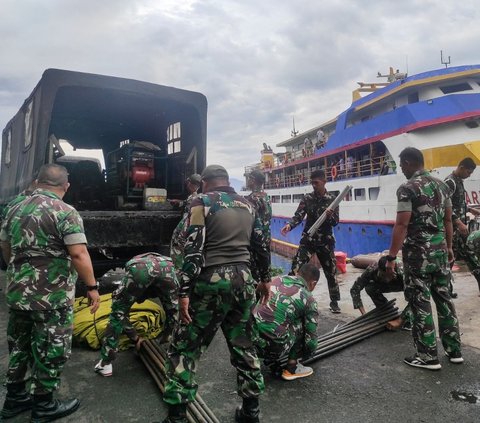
195, 179
257, 176
214, 171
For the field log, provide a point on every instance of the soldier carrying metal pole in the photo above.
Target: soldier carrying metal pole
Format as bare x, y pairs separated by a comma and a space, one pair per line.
321, 242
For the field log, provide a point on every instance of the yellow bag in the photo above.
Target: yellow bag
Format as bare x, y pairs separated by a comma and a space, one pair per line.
148, 319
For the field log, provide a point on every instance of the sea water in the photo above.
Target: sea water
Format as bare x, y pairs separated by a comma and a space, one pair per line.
281, 262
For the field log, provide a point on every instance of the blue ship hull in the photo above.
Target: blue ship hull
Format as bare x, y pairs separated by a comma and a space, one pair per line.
351, 237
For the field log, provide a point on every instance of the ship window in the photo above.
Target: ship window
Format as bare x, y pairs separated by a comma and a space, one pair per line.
28, 124
286, 198
8, 147
373, 193
471, 124
359, 194
448, 89
275, 199
297, 198
174, 142
413, 98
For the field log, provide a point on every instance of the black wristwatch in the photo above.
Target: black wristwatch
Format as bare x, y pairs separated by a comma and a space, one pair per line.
391, 258
92, 287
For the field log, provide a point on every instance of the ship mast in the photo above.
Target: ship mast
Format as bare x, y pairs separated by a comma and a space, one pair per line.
294, 132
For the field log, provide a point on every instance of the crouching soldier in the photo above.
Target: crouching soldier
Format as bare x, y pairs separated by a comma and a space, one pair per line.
287, 324
147, 276
376, 282
473, 244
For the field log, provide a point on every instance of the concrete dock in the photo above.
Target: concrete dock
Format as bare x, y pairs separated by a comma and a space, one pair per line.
366, 382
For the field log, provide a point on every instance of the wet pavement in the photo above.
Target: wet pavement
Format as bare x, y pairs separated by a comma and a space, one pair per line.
366, 382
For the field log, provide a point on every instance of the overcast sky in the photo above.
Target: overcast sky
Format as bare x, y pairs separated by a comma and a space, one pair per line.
258, 62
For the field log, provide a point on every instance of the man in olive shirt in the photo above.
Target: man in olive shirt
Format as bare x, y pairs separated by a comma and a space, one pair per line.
217, 291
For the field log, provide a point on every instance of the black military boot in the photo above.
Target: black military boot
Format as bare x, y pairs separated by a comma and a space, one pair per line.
46, 409
17, 401
249, 412
176, 414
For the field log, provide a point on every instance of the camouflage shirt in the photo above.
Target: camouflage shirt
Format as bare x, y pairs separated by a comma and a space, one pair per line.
152, 275
221, 231
313, 206
426, 198
152, 266
263, 216
263, 213
179, 235
291, 309
457, 192
40, 274
372, 275
473, 242
19, 198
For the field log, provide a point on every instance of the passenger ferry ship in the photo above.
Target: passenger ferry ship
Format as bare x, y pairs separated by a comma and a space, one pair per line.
437, 112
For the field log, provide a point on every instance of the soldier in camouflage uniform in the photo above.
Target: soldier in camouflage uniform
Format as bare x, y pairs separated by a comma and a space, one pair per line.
459, 216
146, 276
287, 324
323, 241
217, 290
177, 243
260, 201
375, 281
473, 244
43, 241
424, 222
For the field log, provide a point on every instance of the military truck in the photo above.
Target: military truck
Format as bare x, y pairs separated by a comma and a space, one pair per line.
151, 138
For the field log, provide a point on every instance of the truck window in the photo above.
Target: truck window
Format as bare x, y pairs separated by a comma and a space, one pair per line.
8, 148
174, 135
28, 124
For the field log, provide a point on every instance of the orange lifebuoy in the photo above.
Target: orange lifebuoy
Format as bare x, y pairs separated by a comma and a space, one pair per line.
334, 172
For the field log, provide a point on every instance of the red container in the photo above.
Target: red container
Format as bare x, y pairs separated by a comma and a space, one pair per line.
341, 261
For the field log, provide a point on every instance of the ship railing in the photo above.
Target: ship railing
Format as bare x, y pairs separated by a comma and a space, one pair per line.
368, 166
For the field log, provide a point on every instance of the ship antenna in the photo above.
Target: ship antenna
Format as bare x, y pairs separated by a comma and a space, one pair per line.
444, 62
294, 132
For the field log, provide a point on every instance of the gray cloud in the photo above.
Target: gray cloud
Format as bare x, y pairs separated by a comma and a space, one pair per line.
258, 63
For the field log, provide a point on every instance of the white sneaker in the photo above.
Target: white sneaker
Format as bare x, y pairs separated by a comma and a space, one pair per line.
104, 370
300, 371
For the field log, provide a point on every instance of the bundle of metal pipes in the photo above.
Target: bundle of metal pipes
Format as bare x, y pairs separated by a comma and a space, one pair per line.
363, 327
153, 356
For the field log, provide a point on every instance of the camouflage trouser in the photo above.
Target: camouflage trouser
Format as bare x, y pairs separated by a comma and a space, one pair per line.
290, 345
463, 252
326, 257
136, 286
427, 278
376, 290
40, 340
222, 297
